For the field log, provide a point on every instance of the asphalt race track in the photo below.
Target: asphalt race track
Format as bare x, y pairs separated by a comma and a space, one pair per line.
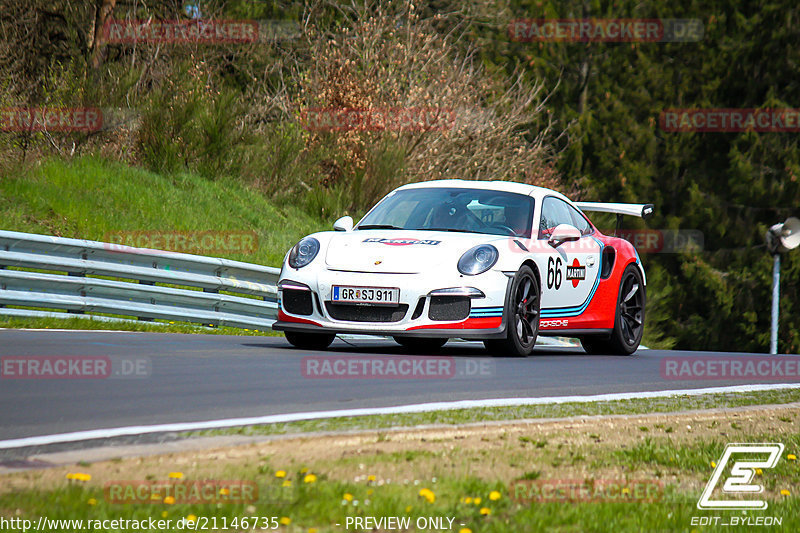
208, 377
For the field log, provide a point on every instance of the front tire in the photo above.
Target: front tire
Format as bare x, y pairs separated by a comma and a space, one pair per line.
522, 308
420, 344
309, 341
628, 321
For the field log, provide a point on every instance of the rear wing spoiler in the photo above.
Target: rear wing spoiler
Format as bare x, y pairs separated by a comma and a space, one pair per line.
634, 210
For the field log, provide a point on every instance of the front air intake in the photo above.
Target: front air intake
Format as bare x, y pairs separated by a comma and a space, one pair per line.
449, 308
366, 313
297, 302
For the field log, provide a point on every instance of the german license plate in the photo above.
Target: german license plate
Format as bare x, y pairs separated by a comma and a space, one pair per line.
369, 295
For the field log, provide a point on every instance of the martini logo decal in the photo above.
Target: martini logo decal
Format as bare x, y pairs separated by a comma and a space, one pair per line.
576, 272
402, 242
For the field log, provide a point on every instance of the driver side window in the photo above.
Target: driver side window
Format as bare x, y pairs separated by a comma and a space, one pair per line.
554, 212
580, 222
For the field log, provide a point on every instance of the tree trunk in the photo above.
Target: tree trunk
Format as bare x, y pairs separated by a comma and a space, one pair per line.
102, 13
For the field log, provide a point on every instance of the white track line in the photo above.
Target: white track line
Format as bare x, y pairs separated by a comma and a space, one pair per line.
366, 411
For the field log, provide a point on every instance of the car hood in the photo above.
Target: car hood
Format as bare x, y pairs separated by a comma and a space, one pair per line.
401, 252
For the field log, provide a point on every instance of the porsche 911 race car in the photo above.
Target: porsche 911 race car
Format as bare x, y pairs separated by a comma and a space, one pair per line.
495, 261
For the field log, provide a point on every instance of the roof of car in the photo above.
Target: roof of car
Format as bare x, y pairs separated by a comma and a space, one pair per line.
494, 185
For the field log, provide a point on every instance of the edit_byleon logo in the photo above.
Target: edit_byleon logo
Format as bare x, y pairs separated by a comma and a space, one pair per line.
740, 480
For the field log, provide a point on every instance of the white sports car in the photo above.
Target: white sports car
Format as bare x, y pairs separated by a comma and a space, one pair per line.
496, 261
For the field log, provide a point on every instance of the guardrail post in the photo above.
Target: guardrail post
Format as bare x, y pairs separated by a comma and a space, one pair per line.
145, 282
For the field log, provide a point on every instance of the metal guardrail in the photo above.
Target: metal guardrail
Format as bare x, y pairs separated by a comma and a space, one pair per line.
145, 284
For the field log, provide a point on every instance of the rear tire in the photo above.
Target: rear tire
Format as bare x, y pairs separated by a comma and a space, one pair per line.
628, 320
523, 303
420, 344
309, 341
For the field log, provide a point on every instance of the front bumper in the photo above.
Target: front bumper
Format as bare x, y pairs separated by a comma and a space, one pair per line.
419, 313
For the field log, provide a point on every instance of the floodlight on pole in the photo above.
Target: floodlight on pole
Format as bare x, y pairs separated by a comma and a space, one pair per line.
780, 239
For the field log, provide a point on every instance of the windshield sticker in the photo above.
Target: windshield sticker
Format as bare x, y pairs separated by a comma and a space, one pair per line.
401, 242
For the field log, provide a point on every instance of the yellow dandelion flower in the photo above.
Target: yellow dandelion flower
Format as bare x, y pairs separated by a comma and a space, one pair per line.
476, 501
428, 495
370, 478
286, 483
280, 473
785, 492
191, 518
467, 500
176, 475
792, 457
285, 520
465, 530
312, 530
485, 511
310, 478
408, 509
494, 495
758, 472
303, 470
169, 500
224, 491
713, 464
84, 477
71, 476
347, 497
164, 513
91, 501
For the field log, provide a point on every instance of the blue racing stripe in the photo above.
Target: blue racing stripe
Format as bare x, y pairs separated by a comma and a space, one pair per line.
483, 312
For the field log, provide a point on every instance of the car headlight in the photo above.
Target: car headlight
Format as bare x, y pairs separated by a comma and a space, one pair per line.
303, 252
478, 260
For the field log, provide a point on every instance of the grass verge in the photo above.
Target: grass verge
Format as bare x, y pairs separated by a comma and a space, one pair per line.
91, 198
562, 410
469, 475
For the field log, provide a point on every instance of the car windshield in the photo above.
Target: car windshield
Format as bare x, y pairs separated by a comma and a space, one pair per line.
456, 209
